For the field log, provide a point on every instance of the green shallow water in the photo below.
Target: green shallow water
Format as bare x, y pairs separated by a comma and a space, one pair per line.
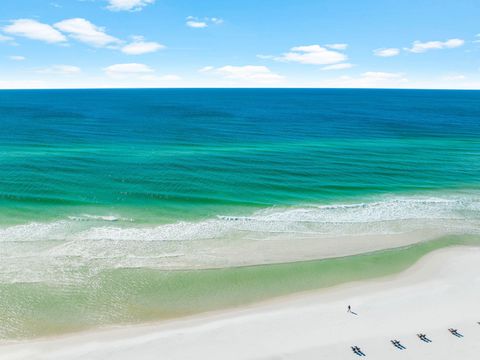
129, 296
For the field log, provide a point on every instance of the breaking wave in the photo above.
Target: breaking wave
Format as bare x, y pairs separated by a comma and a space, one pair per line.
58, 249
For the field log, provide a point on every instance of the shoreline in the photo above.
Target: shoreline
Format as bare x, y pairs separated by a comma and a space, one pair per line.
429, 287
146, 296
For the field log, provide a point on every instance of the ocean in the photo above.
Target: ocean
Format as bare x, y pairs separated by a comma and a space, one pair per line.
132, 205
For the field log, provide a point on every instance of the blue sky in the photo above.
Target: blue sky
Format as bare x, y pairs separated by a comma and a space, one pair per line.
248, 43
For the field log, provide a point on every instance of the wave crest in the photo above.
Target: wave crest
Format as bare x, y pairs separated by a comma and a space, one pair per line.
60, 249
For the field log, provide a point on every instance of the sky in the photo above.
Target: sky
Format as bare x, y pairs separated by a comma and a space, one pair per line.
240, 43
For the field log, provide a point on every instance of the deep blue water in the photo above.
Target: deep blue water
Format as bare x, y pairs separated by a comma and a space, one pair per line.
194, 153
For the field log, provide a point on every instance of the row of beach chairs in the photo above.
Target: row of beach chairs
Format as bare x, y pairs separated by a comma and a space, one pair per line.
357, 351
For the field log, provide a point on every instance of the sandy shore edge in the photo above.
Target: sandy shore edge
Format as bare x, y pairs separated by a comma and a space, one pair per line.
441, 291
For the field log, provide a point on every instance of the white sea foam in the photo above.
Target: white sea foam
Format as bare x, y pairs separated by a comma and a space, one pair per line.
374, 217
88, 217
59, 249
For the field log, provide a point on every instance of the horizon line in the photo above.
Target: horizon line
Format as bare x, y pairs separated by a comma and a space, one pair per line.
237, 88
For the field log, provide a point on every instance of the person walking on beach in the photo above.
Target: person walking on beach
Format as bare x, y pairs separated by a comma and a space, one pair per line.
349, 310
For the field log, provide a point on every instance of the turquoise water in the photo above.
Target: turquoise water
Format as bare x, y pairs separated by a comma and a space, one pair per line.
158, 156
103, 186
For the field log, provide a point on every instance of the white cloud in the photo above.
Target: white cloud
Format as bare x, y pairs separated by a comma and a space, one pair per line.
195, 22
420, 47
168, 77
380, 75
454, 77
386, 52
35, 30
86, 32
17, 58
126, 70
312, 54
248, 72
265, 57
369, 79
337, 46
140, 75
22, 84
139, 47
206, 69
128, 5
60, 70
4, 38
340, 66
216, 21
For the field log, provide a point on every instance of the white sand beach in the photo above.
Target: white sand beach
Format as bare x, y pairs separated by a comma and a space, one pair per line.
441, 291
